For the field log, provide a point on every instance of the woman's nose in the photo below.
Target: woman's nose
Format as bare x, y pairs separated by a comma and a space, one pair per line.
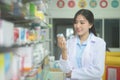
78, 25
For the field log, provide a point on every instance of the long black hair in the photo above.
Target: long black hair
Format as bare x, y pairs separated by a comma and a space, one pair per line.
89, 16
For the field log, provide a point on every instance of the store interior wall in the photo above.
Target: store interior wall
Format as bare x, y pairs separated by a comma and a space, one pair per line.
99, 12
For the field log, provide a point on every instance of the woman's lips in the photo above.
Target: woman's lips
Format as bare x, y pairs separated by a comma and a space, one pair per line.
78, 30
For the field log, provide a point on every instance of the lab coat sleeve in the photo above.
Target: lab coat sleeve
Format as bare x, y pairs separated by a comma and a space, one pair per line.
96, 69
65, 65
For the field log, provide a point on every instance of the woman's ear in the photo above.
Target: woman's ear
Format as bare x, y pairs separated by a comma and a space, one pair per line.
90, 25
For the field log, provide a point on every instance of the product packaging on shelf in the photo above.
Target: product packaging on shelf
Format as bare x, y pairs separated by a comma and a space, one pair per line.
51, 61
5, 65
6, 33
23, 63
20, 35
2, 66
38, 53
15, 68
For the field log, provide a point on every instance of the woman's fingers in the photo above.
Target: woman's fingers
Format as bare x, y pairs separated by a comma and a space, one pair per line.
61, 42
68, 75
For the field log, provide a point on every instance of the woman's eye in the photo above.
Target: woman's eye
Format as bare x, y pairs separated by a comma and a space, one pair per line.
76, 22
81, 22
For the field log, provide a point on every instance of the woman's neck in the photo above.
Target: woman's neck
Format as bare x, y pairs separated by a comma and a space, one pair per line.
84, 37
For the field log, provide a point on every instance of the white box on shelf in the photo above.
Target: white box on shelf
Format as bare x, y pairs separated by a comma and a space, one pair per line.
6, 33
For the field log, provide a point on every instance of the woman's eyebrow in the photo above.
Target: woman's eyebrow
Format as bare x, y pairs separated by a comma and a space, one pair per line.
81, 20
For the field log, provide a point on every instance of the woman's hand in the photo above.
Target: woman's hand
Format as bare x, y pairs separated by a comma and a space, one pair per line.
61, 43
68, 75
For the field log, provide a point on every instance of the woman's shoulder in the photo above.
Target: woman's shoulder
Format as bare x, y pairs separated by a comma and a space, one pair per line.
99, 40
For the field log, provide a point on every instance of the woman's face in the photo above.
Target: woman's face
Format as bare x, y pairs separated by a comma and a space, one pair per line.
81, 25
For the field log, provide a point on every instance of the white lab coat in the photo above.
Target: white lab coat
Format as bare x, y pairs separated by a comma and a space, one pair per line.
93, 60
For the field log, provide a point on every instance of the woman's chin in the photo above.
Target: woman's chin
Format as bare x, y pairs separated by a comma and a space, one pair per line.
79, 33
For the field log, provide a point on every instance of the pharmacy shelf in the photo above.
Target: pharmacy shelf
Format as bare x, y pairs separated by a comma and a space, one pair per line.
7, 14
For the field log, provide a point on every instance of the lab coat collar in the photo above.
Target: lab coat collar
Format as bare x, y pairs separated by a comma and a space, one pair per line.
90, 38
78, 42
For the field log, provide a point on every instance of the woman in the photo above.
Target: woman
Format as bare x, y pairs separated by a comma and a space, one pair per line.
83, 56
